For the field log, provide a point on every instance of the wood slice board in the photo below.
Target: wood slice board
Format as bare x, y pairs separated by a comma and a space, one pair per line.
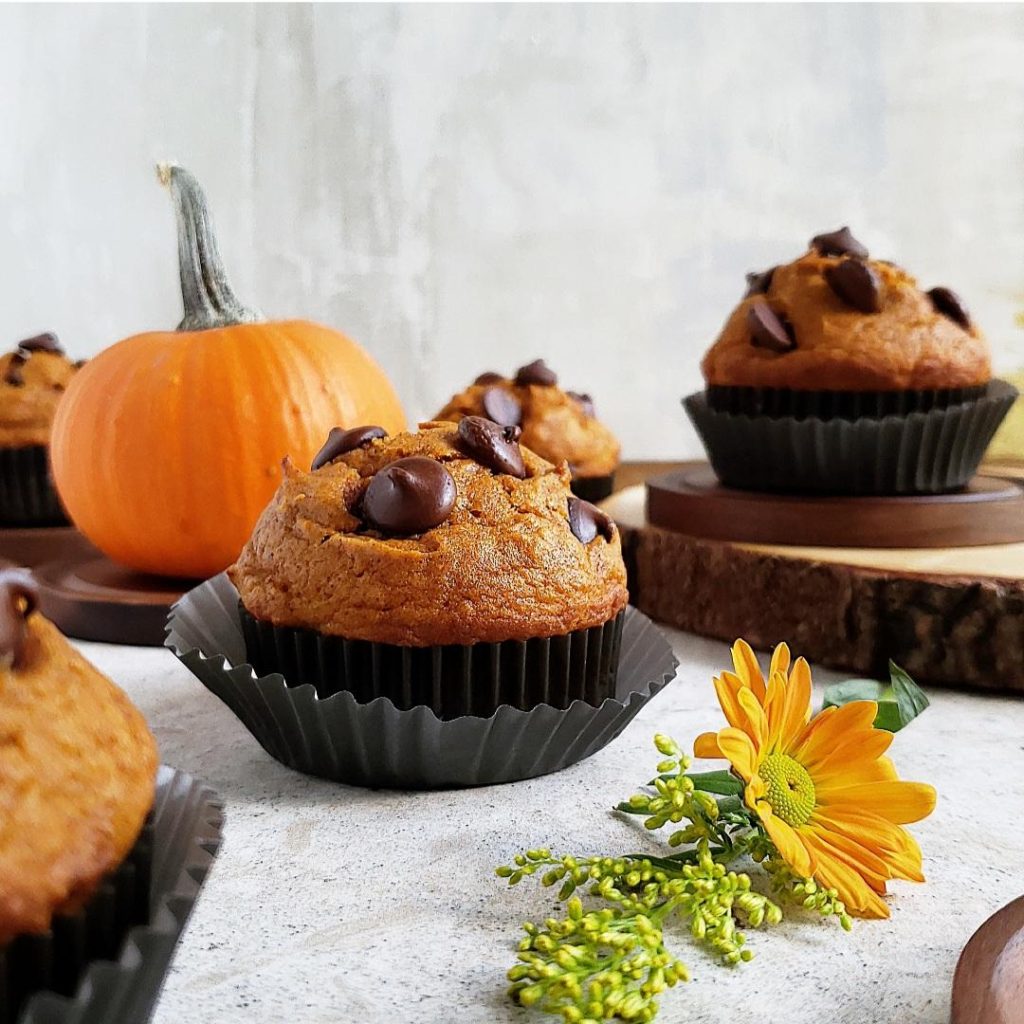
950, 616
31, 546
988, 987
92, 598
989, 511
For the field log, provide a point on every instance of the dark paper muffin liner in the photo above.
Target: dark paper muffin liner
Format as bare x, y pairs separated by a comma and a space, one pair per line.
828, 405
107, 963
27, 495
593, 488
452, 680
56, 960
922, 452
377, 744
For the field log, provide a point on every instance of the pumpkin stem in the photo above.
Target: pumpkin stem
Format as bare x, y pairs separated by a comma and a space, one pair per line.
205, 293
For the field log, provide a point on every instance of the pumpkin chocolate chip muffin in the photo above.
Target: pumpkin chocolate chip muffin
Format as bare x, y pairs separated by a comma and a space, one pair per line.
451, 567
838, 373
77, 778
560, 426
32, 380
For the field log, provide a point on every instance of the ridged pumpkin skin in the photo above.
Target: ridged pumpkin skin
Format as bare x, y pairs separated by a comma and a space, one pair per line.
167, 445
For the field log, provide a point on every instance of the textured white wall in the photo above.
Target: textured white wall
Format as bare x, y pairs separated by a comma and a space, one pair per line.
467, 187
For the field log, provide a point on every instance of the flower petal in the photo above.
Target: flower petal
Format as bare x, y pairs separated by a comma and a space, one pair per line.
790, 845
831, 727
847, 761
896, 801
755, 719
736, 745
891, 842
727, 689
706, 745
854, 891
797, 708
747, 668
780, 660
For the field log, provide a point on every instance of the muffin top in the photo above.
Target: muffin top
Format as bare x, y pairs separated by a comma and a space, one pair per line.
32, 379
448, 535
558, 425
77, 769
835, 320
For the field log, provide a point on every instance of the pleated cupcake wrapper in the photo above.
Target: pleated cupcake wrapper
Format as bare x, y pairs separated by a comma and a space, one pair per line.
107, 963
27, 494
827, 405
593, 488
452, 680
918, 453
377, 744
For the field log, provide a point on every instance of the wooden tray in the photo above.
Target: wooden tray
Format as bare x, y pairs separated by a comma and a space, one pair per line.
91, 598
949, 615
38, 544
691, 500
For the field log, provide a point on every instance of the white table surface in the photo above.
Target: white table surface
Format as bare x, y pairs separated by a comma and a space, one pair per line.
334, 904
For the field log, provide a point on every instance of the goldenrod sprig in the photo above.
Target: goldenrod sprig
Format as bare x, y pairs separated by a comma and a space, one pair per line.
611, 963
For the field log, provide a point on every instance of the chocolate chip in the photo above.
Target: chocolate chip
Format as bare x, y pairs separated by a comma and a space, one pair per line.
18, 597
46, 342
410, 495
13, 374
839, 243
758, 284
856, 284
490, 377
537, 372
503, 407
768, 329
587, 521
79, 363
949, 304
492, 445
340, 441
585, 402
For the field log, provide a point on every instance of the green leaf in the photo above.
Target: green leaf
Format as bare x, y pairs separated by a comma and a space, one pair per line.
899, 703
722, 783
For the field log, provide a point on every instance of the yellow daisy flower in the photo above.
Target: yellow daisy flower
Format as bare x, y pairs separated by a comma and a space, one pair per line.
822, 787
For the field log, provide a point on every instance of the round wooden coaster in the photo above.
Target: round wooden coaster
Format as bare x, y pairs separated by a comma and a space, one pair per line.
38, 544
989, 982
92, 598
690, 500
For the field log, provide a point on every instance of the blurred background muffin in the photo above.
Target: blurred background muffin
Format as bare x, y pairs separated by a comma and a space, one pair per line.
838, 373
451, 567
32, 380
558, 425
77, 778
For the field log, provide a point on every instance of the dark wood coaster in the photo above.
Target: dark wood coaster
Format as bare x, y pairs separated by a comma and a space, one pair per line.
988, 987
690, 500
38, 544
92, 598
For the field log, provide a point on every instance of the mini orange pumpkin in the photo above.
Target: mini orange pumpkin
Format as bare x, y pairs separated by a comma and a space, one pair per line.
167, 445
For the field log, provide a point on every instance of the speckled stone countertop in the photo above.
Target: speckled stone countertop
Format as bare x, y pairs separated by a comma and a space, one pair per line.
332, 904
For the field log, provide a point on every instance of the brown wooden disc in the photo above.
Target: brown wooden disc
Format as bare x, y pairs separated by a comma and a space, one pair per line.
92, 598
988, 987
38, 544
690, 500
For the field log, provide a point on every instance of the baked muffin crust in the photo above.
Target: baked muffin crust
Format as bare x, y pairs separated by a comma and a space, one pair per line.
31, 384
556, 424
77, 778
838, 342
504, 564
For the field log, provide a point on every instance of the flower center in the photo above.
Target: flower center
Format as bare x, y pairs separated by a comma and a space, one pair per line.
788, 788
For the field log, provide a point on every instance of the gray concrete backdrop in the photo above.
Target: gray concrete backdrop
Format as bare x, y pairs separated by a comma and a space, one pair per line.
466, 187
